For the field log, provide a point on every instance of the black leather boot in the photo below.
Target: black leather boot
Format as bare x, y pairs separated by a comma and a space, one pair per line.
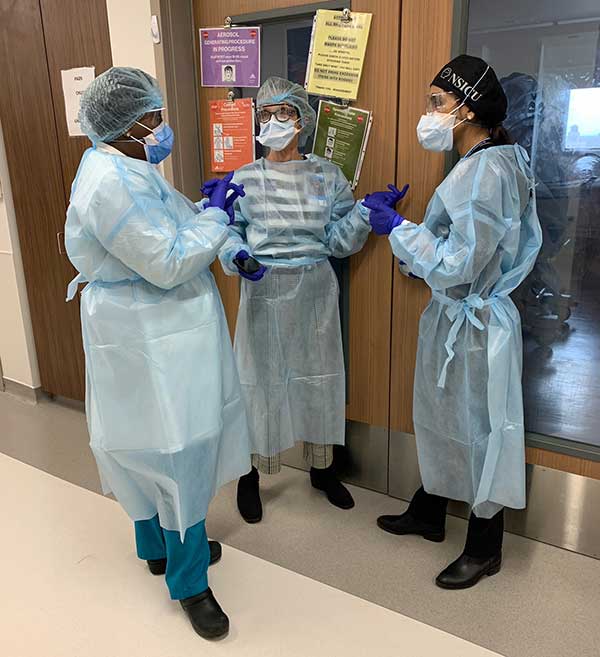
425, 516
406, 524
481, 557
466, 571
248, 497
327, 481
206, 615
159, 566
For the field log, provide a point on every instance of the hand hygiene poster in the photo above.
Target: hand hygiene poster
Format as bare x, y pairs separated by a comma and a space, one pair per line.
341, 137
231, 133
337, 54
230, 57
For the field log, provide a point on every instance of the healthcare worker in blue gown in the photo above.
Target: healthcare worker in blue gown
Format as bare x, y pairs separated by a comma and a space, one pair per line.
478, 241
297, 212
163, 400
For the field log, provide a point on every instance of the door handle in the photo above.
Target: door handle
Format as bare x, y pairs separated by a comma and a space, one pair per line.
60, 242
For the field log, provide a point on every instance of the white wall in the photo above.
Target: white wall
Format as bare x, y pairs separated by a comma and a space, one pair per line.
17, 350
130, 39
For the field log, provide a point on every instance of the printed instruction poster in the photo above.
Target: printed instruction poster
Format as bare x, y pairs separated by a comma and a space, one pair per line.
337, 53
341, 136
230, 57
231, 133
74, 82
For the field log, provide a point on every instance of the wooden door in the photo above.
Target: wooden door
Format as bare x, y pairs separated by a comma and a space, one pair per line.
38, 38
370, 270
426, 47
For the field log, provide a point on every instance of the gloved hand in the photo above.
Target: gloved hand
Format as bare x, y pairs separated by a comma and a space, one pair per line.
216, 189
391, 198
246, 264
383, 219
403, 267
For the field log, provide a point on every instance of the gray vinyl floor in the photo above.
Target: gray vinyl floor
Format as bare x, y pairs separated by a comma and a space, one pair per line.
544, 603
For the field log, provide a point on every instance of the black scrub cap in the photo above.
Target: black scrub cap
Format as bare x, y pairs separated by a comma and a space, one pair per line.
471, 80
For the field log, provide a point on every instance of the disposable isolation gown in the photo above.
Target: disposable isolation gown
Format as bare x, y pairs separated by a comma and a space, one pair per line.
478, 241
288, 341
164, 408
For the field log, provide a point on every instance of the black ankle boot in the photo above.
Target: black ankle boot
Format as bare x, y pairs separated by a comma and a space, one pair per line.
406, 524
248, 497
159, 566
466, 571
206, 615
327, 481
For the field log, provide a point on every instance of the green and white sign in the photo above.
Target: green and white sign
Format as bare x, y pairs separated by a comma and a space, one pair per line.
341, 137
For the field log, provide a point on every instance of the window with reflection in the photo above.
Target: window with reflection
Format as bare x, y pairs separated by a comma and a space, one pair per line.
547, 55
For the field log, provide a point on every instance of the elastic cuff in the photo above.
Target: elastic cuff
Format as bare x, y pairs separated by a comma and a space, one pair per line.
363, 210
217, 215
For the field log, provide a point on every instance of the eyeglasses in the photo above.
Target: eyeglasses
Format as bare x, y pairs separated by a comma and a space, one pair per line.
438, 101
282, 113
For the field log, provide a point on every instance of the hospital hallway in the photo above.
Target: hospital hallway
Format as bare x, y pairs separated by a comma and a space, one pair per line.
308, 580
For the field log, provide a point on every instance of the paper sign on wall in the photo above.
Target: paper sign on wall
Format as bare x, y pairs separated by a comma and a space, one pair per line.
341, 137
230, 57
231, 133
337, 53
74, 82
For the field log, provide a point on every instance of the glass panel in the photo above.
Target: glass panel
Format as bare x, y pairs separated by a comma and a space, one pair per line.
547, 54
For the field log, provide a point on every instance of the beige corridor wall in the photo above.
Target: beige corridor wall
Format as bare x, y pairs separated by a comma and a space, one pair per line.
17, 350
130, 39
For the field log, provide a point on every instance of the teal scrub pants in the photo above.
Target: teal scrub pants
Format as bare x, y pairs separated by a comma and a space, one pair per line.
187, 562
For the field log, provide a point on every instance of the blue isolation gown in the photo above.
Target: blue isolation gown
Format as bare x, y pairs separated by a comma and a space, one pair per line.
478, 241
164, 407
288, 342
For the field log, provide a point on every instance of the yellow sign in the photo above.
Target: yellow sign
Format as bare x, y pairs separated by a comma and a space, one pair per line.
337, 53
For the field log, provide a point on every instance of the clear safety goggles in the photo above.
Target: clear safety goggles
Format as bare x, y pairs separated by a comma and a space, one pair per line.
441, 101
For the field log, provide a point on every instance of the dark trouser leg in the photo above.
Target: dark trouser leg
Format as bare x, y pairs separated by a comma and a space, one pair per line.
484, 538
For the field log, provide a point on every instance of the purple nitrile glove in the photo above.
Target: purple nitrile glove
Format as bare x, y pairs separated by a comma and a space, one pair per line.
390, 198
213, 189
216, 190
243, 257
237, 192
382, 218
403, 267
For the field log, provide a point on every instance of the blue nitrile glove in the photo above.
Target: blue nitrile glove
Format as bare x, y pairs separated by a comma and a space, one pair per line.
403, 267
216, 189
254, 276
382, 218
209, 188
391, 198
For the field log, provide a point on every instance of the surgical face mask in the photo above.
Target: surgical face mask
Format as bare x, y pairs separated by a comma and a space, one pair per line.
435, 131
158, 144
277, 134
